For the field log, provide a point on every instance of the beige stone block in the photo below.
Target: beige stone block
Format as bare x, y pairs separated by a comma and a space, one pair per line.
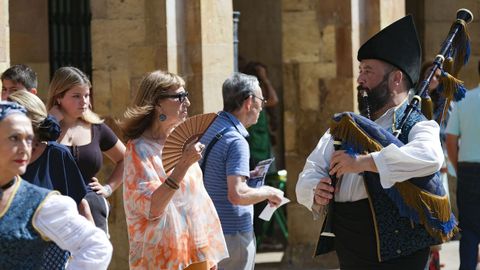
164, 59
4, 34
212, 90
5, 45
290, 131
218, 58
300, 256
217, 22
157, 32
390, 11
125, 9
301, 37
306, 231
4, 66
101, 48
193, 23
141, 59
193, 59
336, 12
469, 73
111, 40
313, 124
28, 37
339, 95
446, 11
298, 5
101, 90
328, 44
99, 9
291, 75
121, 92
345, 56
310, 73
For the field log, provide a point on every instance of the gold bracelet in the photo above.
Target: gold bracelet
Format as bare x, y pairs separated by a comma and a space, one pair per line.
172, 183
169, 185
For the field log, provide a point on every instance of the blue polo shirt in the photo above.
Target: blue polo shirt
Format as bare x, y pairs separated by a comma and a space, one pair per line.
229, 156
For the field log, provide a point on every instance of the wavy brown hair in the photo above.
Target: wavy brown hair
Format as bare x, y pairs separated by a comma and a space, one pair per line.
140, 115
64, 79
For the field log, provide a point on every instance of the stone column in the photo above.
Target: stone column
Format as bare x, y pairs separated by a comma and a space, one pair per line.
4, 37
206, 55
320, 42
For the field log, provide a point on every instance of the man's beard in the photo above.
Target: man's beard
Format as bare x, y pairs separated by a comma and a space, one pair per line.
377, 98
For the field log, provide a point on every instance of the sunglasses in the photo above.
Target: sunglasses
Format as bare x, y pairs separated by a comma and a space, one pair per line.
181, 97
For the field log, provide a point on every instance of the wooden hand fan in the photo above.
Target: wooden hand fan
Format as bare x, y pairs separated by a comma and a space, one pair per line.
189, 130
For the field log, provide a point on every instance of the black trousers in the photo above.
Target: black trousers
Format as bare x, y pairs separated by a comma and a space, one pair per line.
100, 209
355, 241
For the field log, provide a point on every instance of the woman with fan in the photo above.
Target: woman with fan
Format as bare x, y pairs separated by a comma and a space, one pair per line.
172, 223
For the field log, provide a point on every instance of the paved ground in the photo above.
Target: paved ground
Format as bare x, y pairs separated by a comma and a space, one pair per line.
448, 257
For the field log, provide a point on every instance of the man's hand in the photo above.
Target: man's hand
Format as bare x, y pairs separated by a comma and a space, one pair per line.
275, 195
343, 163
323, 192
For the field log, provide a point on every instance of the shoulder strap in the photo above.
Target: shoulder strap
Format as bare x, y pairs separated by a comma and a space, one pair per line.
215, 139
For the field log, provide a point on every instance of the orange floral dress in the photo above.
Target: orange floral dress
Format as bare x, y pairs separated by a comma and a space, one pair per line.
187, 232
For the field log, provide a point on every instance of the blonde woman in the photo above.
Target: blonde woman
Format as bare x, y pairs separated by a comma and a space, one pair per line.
87, 137
172, 222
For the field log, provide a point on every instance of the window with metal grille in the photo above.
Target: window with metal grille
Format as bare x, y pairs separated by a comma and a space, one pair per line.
69, 35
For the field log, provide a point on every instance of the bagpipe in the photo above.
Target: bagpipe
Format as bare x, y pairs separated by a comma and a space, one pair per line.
422, 200
453, 55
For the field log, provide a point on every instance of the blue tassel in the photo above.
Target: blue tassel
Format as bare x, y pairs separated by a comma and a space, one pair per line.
445, 227
460, 93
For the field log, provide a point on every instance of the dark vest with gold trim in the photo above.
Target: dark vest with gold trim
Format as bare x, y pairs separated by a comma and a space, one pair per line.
400, 227
21, 245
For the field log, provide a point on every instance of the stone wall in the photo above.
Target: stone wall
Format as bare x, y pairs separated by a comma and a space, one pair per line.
4, 36
29, 39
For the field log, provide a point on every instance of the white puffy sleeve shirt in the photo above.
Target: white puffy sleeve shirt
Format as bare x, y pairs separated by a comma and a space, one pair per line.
422, 156
58, 220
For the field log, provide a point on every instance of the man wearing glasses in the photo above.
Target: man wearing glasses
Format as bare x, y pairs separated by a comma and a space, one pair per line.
226, 169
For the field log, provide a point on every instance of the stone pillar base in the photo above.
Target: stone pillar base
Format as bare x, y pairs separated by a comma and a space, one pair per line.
301, 257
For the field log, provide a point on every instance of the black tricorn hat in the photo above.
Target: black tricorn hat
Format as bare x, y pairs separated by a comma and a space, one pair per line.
398, 45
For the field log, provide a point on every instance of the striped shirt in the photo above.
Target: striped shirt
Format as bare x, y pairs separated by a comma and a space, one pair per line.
229, 156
